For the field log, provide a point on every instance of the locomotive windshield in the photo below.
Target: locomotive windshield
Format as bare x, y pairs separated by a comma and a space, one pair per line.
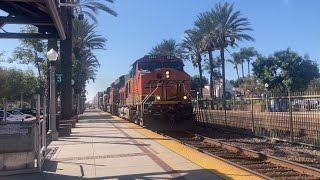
150, 66
175, 65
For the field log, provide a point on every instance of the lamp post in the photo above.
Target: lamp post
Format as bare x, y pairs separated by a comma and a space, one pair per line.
266, 85
52, 56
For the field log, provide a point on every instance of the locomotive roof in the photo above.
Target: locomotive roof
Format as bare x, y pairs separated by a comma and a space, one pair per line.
150, 58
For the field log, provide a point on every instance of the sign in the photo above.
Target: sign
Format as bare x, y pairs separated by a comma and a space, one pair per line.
59, 78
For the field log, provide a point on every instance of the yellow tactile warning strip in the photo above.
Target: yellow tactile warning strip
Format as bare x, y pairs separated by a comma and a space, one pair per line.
219, 167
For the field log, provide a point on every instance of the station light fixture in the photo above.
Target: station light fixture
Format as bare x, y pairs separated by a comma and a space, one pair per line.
52, 55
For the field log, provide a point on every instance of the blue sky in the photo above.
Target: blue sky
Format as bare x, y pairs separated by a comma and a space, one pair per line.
141, 24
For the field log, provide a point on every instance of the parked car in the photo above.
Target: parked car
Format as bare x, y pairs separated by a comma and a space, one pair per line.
2, 113
17, 114
30, 111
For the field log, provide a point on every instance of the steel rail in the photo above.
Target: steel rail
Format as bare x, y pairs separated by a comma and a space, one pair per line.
246, 154
274, 160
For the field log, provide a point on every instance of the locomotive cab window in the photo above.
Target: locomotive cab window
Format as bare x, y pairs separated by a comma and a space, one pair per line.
174, 65
149, 66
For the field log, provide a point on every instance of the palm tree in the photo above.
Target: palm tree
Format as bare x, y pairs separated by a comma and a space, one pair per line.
247, 54
206, 27
90, 8
214, 70
191, 44
235, 61
242, 60
231, 28
85, 39
168, 47
85, 69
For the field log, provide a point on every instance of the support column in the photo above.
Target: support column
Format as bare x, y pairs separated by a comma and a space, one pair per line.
66, 66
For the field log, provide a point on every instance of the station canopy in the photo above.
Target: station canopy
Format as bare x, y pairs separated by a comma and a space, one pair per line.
44, 14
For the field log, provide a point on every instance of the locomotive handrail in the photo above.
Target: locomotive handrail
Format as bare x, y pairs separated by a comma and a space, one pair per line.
146, 98
186, 92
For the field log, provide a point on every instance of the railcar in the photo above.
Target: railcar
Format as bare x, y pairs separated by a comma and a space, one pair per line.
155, 94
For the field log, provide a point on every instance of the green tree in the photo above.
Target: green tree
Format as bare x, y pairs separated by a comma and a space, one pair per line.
85, 69
3, 85
90, 9
86, 38
314, 85
168, 47
231, 27
191, 44
195, 82
247, 54
206, 26
85, 63
285, 70
30, 51
214, 70
235, 61
237, 83
15, 82
251, 85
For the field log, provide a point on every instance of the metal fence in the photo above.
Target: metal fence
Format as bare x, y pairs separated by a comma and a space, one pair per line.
294, 117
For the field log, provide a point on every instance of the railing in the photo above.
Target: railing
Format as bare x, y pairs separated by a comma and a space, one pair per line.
292, 117
25, 144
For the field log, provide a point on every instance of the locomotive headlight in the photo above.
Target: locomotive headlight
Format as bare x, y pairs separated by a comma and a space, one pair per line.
185, 97
167, 72
167, 76
158, 98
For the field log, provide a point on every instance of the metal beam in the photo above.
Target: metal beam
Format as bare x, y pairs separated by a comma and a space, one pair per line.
28, 36
55, 15
22, 0
27, 9
25, 20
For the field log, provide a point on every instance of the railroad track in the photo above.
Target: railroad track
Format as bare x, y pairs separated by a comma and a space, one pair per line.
265, 166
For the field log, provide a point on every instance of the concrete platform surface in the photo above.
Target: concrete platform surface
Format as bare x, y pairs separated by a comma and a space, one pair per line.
102, 147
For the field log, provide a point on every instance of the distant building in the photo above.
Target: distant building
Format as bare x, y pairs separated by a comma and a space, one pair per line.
218, 90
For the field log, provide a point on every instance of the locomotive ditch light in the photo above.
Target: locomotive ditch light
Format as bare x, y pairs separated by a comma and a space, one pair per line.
185, 97
158, 98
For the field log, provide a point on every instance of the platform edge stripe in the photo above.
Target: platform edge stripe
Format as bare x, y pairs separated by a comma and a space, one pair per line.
218, 167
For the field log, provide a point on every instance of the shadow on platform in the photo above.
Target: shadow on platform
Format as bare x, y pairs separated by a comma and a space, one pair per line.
48, 174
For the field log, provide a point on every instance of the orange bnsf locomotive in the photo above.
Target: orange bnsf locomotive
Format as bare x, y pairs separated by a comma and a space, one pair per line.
155, 94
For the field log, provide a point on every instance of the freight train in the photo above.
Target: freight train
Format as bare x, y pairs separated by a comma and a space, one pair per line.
155, 94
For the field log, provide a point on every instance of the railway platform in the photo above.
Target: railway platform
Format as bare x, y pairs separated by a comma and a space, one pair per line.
107, 147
